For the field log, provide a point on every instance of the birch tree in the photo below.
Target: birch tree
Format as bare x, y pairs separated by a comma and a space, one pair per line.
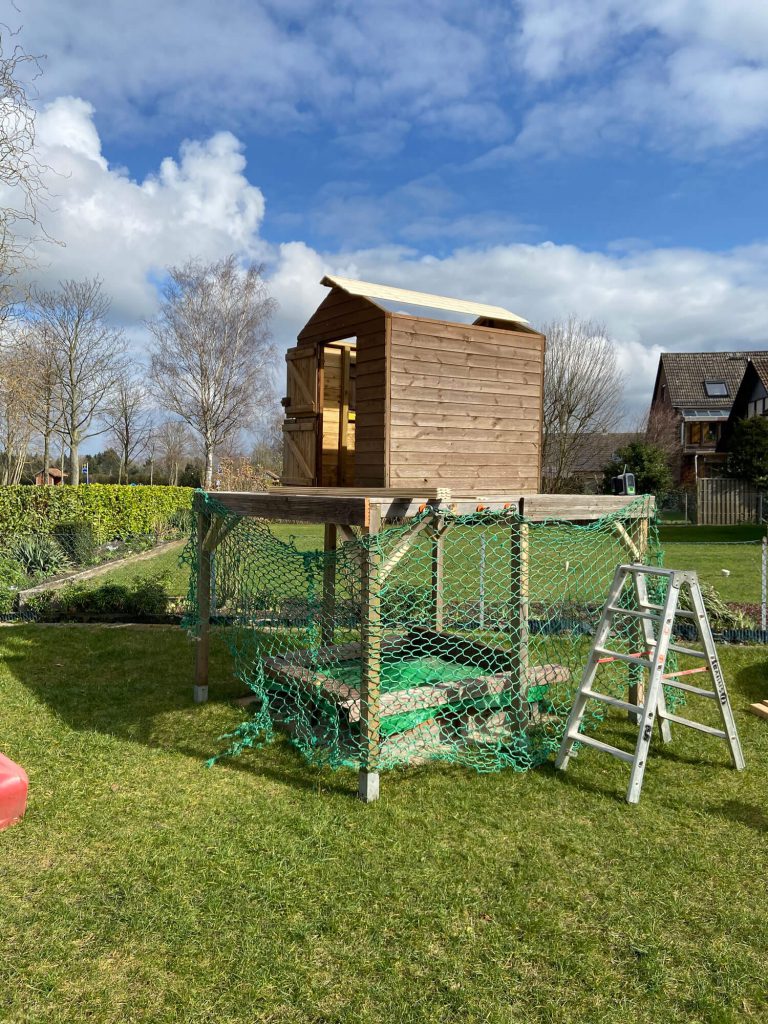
173, 445
212, 358
583, 391
87, 353
128, 420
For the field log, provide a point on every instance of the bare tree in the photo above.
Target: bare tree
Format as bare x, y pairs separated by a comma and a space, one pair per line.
44, 387
267, 451
88, 356
172, 445
582, 393
128, 420
211, 364
15, 424
20, 171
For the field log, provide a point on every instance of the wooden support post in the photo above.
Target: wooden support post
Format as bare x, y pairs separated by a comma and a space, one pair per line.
519, 566
204, 609
370, 682
437, 531
638, 549
327, 629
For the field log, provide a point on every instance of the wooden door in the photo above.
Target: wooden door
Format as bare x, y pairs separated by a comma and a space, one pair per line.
300, 452
302, 397
302, 411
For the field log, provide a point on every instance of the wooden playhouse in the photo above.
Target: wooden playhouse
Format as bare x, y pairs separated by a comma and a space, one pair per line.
378, 396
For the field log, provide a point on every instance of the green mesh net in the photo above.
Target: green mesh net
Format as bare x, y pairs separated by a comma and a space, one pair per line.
457, 638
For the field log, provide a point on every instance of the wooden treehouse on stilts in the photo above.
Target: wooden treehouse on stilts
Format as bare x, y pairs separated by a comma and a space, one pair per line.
410, 418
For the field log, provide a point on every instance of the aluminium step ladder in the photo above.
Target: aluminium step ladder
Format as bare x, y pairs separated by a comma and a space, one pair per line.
644, 711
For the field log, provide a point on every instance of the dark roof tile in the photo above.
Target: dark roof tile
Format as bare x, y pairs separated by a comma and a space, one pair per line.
686, 372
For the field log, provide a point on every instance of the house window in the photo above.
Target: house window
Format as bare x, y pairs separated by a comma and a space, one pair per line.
703, 434
715, 389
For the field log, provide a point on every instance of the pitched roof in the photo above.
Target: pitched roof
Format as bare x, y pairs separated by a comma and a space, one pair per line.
756, 371
760, 362
596, 450
369, 290
687, 372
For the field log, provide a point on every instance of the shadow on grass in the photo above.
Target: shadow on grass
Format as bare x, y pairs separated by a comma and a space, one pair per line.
744, 814
136, 684
751, 682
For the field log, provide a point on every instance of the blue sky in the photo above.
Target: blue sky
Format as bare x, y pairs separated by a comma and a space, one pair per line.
601, 157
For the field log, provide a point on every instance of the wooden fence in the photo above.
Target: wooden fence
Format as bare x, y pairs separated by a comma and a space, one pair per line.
727, 502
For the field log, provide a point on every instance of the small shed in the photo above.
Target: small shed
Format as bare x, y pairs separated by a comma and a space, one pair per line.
55, 477
383, 393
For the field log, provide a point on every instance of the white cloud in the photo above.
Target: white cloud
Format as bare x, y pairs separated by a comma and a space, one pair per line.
273, 65
128, 231
650, 301
689, 74
201, 204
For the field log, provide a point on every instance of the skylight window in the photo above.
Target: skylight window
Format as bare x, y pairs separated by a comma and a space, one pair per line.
715, 389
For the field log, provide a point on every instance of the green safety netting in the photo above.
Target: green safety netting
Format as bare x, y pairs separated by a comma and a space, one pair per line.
456, 638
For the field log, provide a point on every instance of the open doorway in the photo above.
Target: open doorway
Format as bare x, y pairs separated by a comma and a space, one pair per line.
338, 365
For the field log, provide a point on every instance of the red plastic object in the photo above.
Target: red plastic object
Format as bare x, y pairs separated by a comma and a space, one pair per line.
13, 792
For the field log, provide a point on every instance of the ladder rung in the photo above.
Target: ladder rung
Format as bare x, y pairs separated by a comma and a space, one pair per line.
695, 725
647, 570
678, 649
633, 613
590, 741
680, 613
687, 650
613, 701
632, 659
697, 690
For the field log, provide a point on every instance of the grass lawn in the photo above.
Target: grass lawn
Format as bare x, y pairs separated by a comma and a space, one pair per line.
305, 537
710, 549
142, 886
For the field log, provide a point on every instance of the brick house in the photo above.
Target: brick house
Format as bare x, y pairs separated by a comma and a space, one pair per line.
751, 397
694, 393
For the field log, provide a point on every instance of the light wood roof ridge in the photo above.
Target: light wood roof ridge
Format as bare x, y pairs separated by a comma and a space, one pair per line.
370, 290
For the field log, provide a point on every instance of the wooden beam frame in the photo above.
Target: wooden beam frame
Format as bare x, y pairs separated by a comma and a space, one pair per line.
370, 681
217, 531
344, 506
519, 587
296, 508
400, 550
327, 626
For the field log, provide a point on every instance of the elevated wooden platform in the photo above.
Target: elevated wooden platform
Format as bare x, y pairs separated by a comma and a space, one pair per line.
344, 506
369, 509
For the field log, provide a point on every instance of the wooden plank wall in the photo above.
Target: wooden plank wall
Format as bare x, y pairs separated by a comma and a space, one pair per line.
723, 502
342, 316
465, 405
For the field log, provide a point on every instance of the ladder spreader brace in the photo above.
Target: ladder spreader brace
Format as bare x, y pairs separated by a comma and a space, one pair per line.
653, 657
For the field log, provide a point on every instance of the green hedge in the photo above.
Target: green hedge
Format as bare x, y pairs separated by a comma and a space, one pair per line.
114, 510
